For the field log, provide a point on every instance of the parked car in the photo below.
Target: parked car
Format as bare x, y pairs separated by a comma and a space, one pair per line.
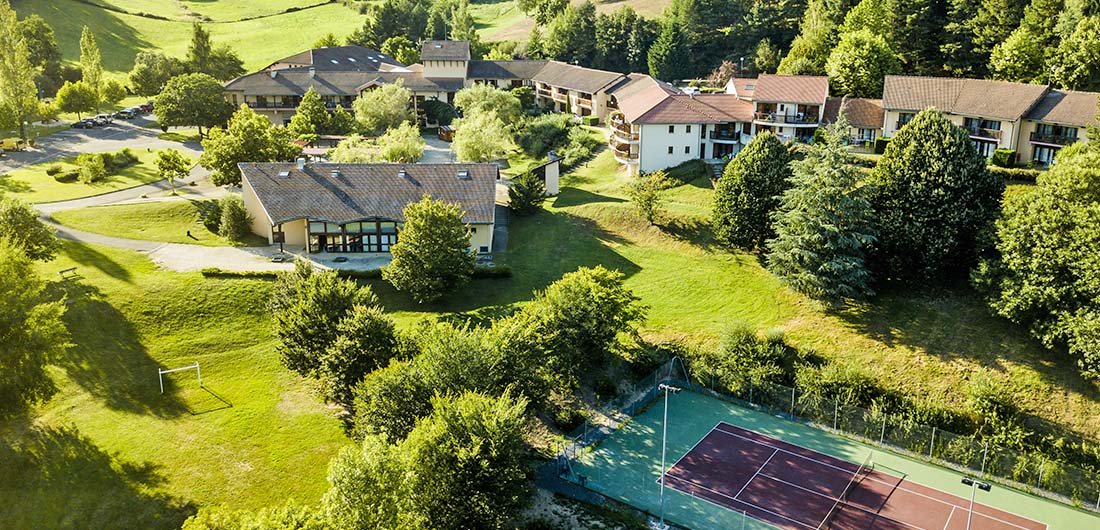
84, 124
146, 107
106, 116
100, 120
125, 114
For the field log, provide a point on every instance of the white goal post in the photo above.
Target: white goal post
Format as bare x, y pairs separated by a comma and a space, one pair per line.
192, 367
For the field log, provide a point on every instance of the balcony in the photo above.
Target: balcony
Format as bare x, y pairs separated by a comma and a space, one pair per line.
786, 119
979, 132
584, 102
270, 105
561, 97
725, 136
545, 92
1051, 139
900, 124
623, 154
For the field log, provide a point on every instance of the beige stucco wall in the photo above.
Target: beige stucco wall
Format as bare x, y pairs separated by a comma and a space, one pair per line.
1010, 131
446, 69
655, 141
261, 225
1026, 149
481, 236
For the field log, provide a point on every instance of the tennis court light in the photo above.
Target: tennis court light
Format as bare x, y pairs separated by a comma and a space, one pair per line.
975, 485
668, 389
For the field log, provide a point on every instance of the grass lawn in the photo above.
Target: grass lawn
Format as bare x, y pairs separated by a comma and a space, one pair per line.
168, 221
110, 451
505, 21
258, 41
32, 184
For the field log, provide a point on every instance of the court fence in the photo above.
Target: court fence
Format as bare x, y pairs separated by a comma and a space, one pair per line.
1031, 473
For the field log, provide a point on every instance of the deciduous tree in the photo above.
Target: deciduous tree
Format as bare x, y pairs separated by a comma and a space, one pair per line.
18, 94
670, 57
91, 66
484, 97
401, 48
365, 341
646, 193
43, 53
481, 137
859, 63
21, 227
571, 36
1076, 64
749, 191
933, 198
172, 165
192, 100
810, 49
432, 255
248, 138
384, 107
311, 117
151, 72
76, 97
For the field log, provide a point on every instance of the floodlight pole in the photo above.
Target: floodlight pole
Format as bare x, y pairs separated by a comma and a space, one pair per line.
664, 443
974, 486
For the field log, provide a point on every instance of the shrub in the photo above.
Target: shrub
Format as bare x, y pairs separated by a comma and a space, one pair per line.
845, 383
544, 133
1017, 174
880, 145
54, 169
235, 221
439, 111
213, 218
688, 171
68, 176
526, 194
92, 169
590, 120
1004, 157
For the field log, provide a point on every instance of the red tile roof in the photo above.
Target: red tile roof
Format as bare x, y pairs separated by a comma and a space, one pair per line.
802, 89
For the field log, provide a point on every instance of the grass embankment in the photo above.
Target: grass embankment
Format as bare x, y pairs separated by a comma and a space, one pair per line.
110, 451
167, 221
33, 185
258, 42
505, 21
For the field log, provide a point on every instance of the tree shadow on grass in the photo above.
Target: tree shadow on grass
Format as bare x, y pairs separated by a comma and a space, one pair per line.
696, 231
58, 478
577, 197
11, 185
108, 360
541, 248
88, 256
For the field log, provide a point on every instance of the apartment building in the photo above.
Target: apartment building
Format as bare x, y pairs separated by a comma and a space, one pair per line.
1033, 120
865, 117
791, 106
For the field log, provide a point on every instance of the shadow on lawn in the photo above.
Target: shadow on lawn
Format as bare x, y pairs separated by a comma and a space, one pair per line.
58, 478
88, 256
108, 359
577, 197
10, 185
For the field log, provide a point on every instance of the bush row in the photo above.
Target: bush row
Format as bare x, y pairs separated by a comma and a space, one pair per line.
480, 271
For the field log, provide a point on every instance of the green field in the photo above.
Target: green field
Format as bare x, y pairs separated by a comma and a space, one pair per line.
627, 465
505, 21
109, 451
32, 184
168, 221
258, 42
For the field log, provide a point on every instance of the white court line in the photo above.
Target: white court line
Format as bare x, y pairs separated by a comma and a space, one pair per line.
715, 428
753, 477
897, 486
949, 516
761, 508
860, 508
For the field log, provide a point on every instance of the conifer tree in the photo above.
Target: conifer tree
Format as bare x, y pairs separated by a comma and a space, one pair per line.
91, 66
18, 94
669, 57
311, 117
748, 192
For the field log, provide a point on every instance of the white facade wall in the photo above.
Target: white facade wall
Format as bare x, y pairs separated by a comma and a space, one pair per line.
656, 140
445, 69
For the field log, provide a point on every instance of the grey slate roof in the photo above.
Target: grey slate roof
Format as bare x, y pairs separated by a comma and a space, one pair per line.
296, 82
365, 191
342, 58
445, 50
1066, 107
575, 77
518, 69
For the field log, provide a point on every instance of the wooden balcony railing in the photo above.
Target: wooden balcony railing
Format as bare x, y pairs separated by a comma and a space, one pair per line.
979, 132
1056, 139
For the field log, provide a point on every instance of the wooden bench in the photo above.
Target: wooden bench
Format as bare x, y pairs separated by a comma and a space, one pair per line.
68, 273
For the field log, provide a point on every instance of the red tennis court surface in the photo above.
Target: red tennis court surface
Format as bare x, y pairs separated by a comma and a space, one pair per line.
796, 488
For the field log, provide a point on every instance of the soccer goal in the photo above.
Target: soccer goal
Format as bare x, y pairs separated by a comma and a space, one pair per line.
162, 371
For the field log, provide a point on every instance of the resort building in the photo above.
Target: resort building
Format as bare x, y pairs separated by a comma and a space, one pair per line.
865, 117
790, 106
358, 207
1059, 119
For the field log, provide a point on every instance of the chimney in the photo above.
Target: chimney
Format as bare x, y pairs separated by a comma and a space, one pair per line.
301, 164
312, 72
274, 73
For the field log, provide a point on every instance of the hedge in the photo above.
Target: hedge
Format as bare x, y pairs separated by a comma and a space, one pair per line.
590, 120
880, 145
1018, 174
688, 171
480, 271
1004, 157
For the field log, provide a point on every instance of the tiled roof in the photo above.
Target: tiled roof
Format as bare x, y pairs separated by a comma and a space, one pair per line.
575, 77
1066, 107
503, 69
744, 86
802, 89
364, 191
417, 82
973, 97
637, 94
445, 50
343, 58
643, 99
861, 112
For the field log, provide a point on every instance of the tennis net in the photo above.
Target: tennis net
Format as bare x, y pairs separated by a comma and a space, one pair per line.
842, 499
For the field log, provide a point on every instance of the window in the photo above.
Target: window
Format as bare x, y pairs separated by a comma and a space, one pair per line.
688, 128
671, 129
687, 149
473, 229
985, 148
904, 118
670, 149
483, 249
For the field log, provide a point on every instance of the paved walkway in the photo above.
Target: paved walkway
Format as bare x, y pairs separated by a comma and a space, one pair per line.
436, 151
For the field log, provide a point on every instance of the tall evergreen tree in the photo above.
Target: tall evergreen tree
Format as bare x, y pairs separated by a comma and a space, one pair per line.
670, 56
613, 33
917, 28
811, 48
994, 21
311, 117
198, 54
571, 37
18, 94
91, 67
960, 59
933, 199
534, 45
823, 225
464, 28
749, 191
641, 38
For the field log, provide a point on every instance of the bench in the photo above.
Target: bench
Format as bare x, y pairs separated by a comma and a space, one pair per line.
68, 273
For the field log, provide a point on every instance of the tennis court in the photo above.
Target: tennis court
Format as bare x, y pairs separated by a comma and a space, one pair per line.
795, 488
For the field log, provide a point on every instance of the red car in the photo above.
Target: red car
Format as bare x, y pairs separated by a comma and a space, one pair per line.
146, 108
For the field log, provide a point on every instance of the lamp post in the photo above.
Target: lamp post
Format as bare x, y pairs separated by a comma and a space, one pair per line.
664, 440
975, 485
741, 69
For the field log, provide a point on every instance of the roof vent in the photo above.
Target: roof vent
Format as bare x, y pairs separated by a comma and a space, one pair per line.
335, 173
284, 173
312, 72
463, 174
274, 73
301, 164
402, 174
438, 46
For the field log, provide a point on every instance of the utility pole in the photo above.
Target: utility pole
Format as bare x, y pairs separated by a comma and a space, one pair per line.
664, 444
975, 485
